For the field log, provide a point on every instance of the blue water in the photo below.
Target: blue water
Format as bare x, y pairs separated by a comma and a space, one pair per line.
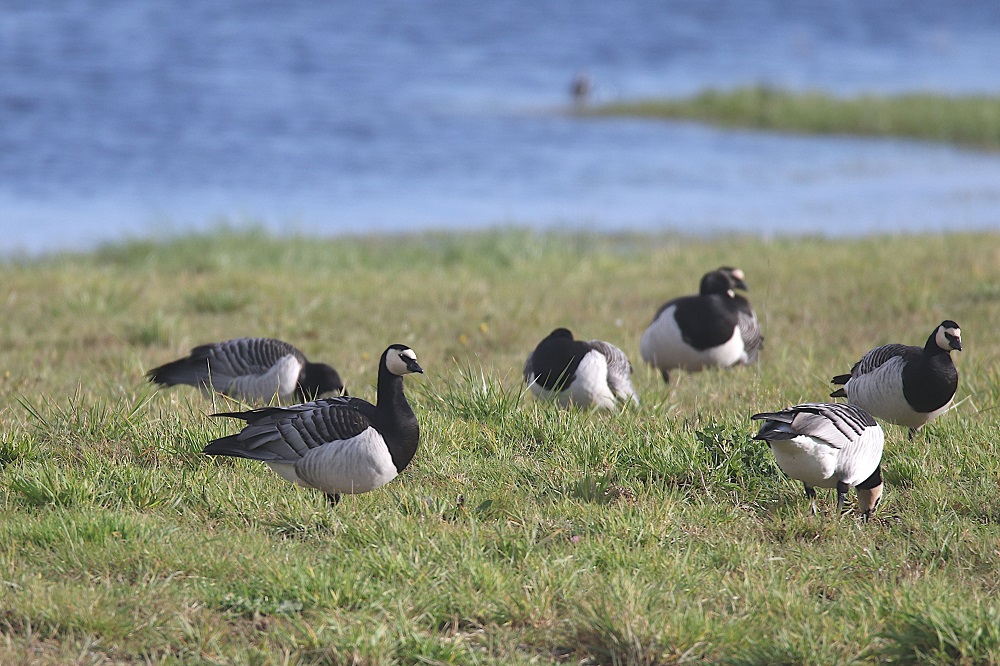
122, 119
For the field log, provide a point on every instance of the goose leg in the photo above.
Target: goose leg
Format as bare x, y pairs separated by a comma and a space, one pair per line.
811, 494
333, 498
666, 376
913, 433
842, 489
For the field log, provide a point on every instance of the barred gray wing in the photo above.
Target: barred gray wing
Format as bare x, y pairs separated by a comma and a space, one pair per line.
881, 355
245, 356
753, 337
285, 435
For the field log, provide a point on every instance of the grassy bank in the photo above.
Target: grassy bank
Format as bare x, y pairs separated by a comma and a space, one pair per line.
972, 121
521, 533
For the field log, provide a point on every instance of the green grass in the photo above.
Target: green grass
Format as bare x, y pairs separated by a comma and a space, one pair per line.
521, 533
970, 121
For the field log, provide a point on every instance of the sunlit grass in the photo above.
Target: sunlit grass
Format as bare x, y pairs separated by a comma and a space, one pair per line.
521, 533
972, 121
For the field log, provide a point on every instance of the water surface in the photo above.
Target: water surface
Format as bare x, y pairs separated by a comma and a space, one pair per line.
120, 118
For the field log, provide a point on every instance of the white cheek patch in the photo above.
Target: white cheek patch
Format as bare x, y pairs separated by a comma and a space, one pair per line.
394, 364
942, 336
738, 274
394, 361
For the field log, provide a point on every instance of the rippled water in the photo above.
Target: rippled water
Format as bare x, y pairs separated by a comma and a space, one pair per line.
120, 118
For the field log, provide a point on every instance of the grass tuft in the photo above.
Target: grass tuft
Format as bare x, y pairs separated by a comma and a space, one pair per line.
937, 635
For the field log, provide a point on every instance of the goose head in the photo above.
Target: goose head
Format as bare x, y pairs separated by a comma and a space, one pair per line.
948, 336
318, 379
723, 280
400, 360
737, 277
868, 500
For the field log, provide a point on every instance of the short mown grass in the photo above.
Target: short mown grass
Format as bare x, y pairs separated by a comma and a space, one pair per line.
521, 533
970, 121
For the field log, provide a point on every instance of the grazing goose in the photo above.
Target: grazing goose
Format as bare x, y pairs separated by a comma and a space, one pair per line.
903, 384
578, 372
715, 328
253, 369
829, 445
338, 445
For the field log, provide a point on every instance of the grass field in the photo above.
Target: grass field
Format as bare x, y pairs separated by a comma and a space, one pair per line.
971, 121
520, 533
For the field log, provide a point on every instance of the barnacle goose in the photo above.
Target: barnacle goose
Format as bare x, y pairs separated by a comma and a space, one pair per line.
715, 328
254, 369
579, 372
338, 445
904, 384
828, 445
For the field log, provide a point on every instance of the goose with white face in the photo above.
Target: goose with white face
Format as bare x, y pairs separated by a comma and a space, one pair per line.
339, 445
948, 337
905, 384
401, 361
715, 328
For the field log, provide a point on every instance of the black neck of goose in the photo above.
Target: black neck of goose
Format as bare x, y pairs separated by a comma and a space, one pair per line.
397, 422
304, 391
932, 347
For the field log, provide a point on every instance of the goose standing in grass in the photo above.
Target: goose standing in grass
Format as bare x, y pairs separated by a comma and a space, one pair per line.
904, 384
337, 445
715, 328
828, 445
578, 372
254, 369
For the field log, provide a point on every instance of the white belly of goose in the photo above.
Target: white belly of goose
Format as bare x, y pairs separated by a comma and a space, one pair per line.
356, 465
880, 393
811, 461
663, 345
281, 378
589, 386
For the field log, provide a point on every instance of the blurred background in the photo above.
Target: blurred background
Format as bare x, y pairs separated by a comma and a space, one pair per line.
123, 119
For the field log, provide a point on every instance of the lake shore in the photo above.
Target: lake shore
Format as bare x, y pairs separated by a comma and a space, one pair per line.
968, 121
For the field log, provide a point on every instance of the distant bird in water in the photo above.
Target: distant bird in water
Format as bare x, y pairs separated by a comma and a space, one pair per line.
828, 445
254, 369
578, 372
337, 445
580, 88
716, 328
904, 384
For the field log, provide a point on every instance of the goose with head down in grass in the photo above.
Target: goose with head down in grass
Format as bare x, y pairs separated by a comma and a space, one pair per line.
828, 445
253, 369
